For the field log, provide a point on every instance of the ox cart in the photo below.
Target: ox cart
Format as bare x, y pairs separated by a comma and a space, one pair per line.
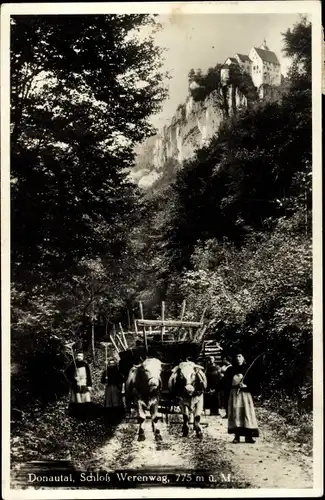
171, 342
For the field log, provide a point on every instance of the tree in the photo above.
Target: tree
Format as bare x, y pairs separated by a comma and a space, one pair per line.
231, 231
297, 45
82, 90
207, 83
257, 169
149, 238
191, 75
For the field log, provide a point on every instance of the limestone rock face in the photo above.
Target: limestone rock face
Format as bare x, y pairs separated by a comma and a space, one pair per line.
192, 127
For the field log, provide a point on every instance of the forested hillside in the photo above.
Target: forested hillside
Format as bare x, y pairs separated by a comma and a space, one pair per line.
229, 230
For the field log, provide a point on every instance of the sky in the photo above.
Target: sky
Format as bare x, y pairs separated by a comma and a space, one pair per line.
201, 41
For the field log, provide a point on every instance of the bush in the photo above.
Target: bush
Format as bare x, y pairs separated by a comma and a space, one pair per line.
40, 376
262, 294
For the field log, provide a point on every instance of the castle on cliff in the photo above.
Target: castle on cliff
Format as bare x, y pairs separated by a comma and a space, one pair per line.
197, 121
261, 64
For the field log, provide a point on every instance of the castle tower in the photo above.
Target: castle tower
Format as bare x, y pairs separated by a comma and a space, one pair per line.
264, 46
265, 66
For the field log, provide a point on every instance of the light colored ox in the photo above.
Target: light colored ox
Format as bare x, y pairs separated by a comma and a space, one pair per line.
188, 383
143, 387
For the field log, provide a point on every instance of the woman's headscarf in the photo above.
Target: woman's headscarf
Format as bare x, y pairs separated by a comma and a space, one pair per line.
115, 358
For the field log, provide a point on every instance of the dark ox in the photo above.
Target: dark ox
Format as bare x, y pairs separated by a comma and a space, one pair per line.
188, 383
143, 387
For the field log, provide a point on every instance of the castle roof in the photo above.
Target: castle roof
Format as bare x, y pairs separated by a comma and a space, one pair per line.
243, 58
267, 55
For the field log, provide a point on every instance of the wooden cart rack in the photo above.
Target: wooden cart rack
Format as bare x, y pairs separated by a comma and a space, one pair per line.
167, 339
170, 331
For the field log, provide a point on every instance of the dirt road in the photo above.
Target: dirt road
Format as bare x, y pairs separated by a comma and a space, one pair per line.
269, 463
266, 464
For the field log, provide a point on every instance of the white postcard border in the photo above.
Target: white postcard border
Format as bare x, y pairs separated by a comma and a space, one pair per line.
313, 8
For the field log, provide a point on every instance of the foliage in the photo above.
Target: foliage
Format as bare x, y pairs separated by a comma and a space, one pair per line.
238, 240
83, 88
211, 83
257, 169
40, 375
289, 424
297, 45
242, 80
229, 231
151, 275
77, 109
181, 112
206, 83
263, 289
48, 433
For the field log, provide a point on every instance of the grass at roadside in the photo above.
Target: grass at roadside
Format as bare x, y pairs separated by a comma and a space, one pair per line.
51, 434
291, 426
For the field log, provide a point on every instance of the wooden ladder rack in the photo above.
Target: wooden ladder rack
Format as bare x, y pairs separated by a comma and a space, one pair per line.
162, 326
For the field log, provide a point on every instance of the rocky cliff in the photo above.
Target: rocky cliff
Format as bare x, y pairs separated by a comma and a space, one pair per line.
193, 125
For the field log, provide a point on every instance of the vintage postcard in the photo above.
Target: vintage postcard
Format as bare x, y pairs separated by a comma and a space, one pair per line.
161, 250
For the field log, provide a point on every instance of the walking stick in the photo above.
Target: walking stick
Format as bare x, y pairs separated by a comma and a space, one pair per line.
70, 346
105, 344
250, 366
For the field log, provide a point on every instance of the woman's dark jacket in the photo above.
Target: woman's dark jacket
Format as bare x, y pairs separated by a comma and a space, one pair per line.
112, 376
251, 379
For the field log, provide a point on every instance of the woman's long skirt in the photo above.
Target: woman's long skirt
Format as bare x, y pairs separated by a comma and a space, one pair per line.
80, 397
113, 404
241, 414
79, 406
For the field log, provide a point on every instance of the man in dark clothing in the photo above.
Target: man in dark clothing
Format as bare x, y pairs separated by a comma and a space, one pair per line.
226, 381
213, 379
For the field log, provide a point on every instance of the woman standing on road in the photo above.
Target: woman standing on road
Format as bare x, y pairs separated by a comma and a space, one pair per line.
79, 378
113, 380
241, 412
